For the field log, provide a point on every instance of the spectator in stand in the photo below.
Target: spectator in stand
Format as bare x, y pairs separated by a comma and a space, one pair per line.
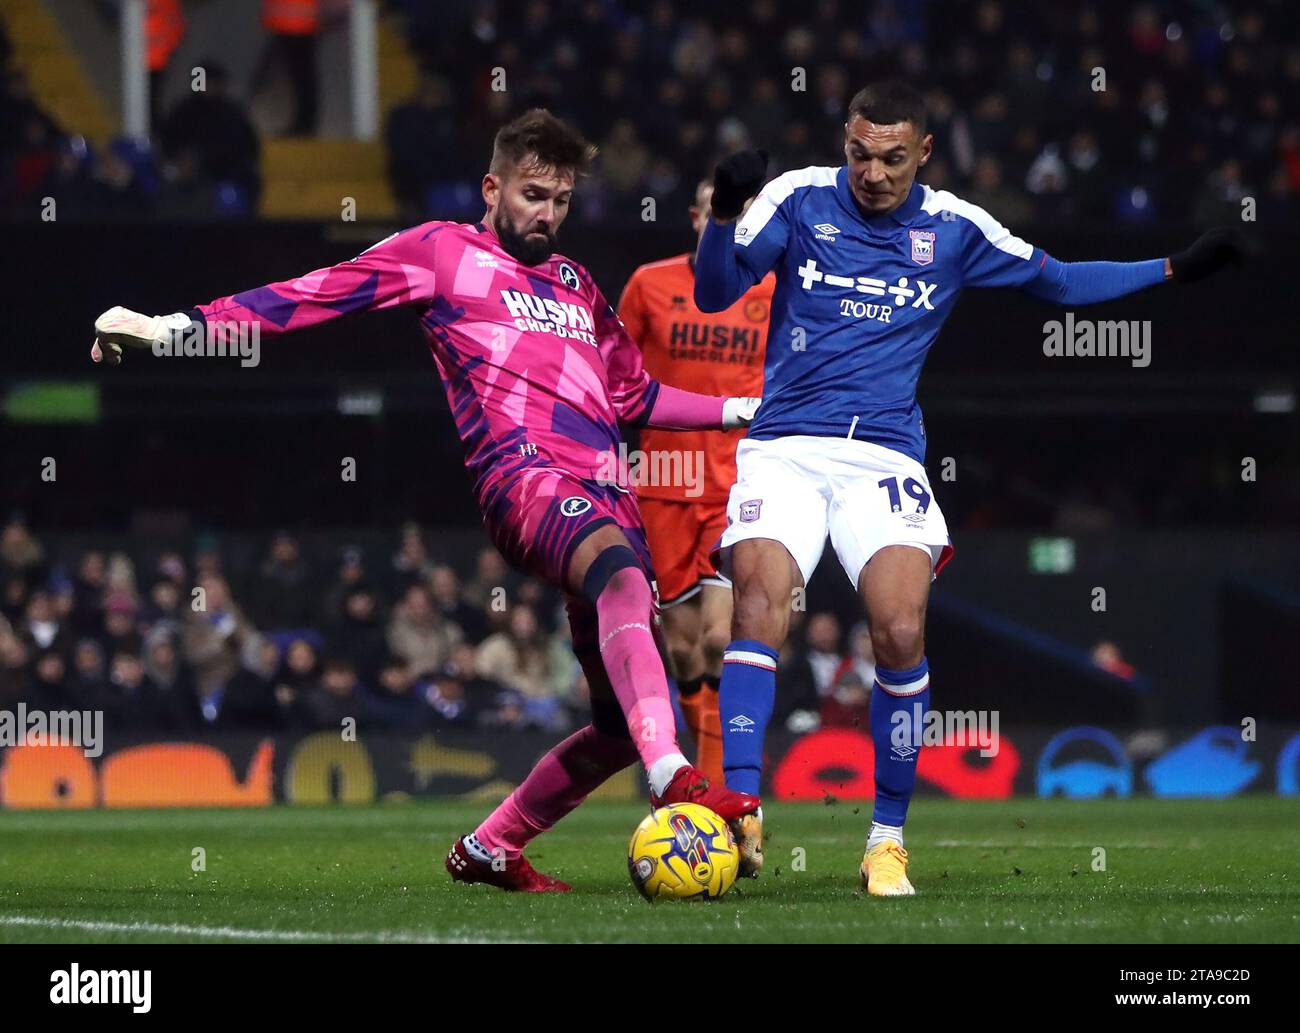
21, 554
294, 25
89, 673
411, 563
491, 583
283, 592
167, 693
522, 658
444, 585
250, 699
164, 28
212, 639
41, 625
423, 145
216, 130
420, 634
861, 659
120, 634
359, 637
335, 697
351, 575
848, 705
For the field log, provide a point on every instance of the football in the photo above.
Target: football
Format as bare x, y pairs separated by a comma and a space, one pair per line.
682, 852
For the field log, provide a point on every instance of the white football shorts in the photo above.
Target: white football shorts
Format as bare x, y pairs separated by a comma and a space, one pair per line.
797, 489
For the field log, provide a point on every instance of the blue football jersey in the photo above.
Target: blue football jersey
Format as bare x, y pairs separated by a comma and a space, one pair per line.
860, 299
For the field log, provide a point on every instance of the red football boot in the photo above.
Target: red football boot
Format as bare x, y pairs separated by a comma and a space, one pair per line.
689, 785
517, 875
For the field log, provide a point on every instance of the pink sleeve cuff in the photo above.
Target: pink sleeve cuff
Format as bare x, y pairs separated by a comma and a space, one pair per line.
675, 409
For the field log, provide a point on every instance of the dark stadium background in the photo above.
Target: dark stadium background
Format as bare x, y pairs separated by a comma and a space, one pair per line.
1134, 475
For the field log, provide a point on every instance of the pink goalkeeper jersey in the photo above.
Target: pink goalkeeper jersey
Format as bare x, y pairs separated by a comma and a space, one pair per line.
538, 369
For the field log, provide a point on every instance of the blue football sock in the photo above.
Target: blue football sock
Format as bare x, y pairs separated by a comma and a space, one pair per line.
899, 702
745, 700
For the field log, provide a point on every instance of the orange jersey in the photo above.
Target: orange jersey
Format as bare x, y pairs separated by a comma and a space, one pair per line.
713, 353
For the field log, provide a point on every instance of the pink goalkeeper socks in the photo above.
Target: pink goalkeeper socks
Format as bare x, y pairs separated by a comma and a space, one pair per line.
557, 784
627, 645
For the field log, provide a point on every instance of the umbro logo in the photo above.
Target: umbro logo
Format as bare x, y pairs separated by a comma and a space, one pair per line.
741, 723
902, 752
826, 231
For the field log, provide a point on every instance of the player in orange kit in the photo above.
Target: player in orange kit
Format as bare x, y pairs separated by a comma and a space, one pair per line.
687, 475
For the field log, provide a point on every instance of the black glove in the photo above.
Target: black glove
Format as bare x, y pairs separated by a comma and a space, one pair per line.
737, 178
1211, 252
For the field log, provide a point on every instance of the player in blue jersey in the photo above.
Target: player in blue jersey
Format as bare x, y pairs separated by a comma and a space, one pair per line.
869, 264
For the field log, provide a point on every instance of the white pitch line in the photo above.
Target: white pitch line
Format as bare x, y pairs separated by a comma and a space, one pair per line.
226, 932
1041, 844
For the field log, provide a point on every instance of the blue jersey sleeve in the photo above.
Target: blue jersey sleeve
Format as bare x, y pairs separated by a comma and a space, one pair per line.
993, 255
727, 265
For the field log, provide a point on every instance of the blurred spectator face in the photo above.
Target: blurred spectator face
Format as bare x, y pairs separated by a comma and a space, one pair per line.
216, 594
127, 671
416, 605
396, 679
360, 606
882, 161
284, 550
353, 569
40, 608
491, 567
413, 552
988, 174
523, 624
89, 660
166, 596
823, 632
300, 657
50, 669
13, 653
268, 659
162, 655
15, 593
119, 620
92, 568
339, 679
172, 567
444, 584
463, 657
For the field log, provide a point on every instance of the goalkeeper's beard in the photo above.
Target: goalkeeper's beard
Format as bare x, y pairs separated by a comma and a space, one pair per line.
527, 248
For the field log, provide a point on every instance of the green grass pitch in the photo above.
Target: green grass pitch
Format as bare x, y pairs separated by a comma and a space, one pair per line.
1017, 871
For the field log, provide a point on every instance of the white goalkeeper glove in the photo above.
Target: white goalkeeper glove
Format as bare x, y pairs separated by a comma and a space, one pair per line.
120, 327
739, 412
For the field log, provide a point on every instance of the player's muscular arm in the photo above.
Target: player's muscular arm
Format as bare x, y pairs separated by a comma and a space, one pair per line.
396, 271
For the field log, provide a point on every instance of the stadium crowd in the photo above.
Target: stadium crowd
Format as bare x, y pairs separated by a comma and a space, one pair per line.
403, 641
665, 86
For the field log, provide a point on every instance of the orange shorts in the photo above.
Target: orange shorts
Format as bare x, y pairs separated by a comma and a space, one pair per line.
680, 536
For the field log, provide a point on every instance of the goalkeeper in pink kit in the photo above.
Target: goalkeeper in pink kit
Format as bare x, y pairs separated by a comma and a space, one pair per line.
539, 373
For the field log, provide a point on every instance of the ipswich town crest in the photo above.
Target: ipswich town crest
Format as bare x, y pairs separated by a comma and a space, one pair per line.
922, 246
